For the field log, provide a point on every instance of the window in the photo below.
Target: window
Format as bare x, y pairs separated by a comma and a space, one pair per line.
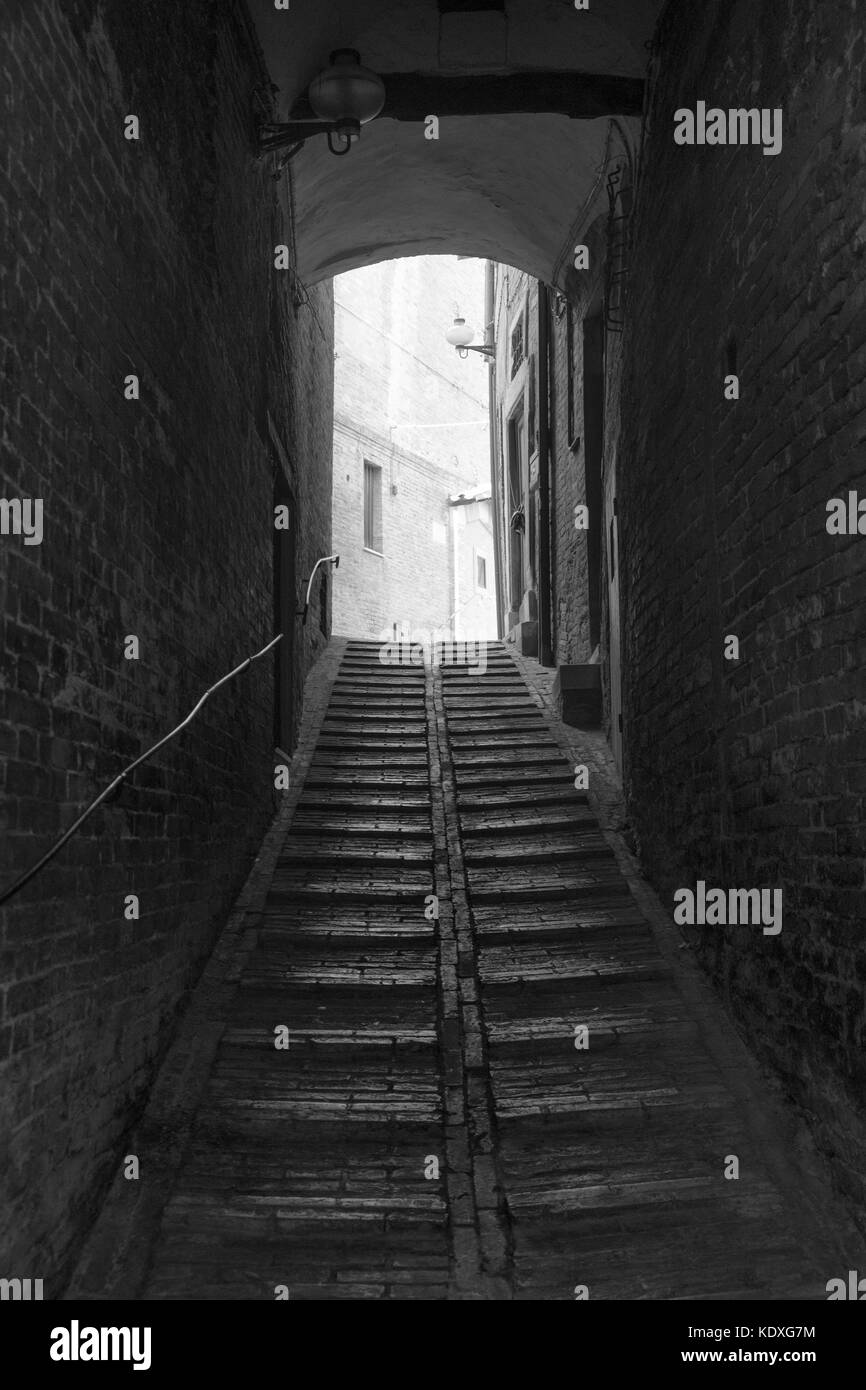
481, 571
372, 507
518, 348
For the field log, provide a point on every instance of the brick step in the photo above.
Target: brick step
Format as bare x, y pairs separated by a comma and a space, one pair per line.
363, 779
384, 720
546, 820
610, 1078
403, 674
623, 1200
517, 757
525, 742
455, 686
371, 884
558, 884
357, 823
502, 706
482, 722
333, 1041
290, 1093
565, 847
370, 743
298, 1006
339, 850
610, 917
622, 1029
556, 964
332, 974
280, 929
542, 796
374, 735
391, 762
363, 644
381, 688
409, 803
540, 775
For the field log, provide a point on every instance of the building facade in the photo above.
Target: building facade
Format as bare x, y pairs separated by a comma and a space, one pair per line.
556, 390
411, 516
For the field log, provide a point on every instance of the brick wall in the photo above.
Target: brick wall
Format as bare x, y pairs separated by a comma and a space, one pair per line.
156, 258
753, 773
410, 582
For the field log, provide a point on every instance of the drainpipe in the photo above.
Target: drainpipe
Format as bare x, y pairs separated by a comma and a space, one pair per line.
489, 314
544, 587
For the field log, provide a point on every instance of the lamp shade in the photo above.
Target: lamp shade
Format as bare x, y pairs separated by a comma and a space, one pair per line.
460, 334
346, 91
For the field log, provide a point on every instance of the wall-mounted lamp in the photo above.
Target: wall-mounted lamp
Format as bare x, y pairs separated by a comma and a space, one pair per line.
344, 97
460, 335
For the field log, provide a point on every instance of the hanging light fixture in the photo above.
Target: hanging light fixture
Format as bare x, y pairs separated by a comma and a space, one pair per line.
460, 335
344, 97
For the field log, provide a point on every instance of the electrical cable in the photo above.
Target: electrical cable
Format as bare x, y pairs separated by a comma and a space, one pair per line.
67, 834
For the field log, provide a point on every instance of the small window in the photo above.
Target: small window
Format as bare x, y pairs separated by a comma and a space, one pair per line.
518, 347
481, 571
372, 507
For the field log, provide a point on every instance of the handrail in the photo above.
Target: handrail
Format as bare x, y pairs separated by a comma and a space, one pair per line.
67, 834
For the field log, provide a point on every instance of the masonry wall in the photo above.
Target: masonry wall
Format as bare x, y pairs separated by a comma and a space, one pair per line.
153, 257
409, 584
752, 772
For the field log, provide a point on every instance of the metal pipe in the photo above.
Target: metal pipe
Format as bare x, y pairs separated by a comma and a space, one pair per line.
325, 560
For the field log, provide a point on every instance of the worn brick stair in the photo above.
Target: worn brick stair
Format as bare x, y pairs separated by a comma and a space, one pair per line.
610, 1159
454, 1039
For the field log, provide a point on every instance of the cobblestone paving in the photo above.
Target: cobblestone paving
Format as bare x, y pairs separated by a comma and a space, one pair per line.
432, 1130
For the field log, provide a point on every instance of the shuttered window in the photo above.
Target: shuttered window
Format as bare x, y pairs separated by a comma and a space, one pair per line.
372, 507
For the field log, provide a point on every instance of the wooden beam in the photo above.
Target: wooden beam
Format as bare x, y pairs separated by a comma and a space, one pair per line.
410, 96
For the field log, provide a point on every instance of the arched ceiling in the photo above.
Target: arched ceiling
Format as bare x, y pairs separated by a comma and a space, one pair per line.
508, 181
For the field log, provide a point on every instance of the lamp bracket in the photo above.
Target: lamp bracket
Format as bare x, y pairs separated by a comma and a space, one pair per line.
274, 135
488, 349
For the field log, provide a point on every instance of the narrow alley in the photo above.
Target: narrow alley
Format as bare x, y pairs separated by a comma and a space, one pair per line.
432, 650
401, 1104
